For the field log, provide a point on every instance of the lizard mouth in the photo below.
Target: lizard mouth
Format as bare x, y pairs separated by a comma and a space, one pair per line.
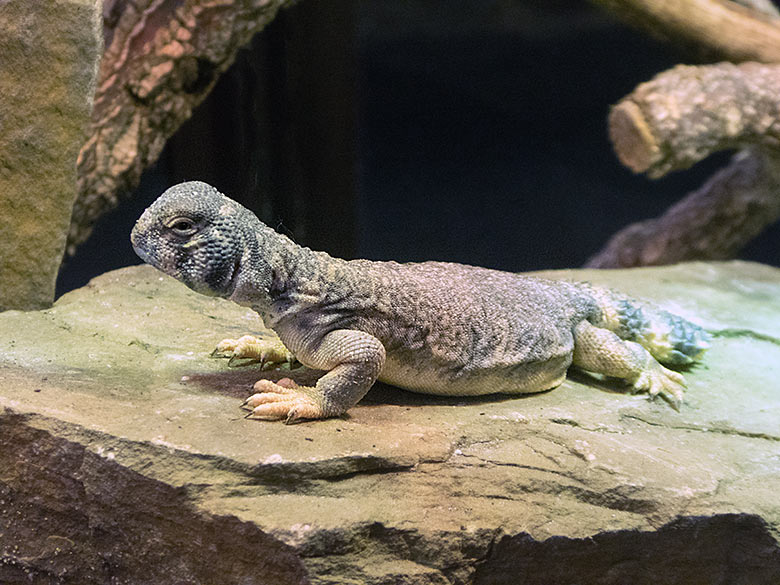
232, 282
141, 253
138, 244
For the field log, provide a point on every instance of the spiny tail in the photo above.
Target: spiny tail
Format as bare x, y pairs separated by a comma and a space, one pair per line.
668, 337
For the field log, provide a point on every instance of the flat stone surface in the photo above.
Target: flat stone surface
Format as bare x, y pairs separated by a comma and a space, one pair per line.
49, 56
116, 379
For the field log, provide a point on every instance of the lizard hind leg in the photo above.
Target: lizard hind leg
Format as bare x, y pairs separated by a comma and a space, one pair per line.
601, 351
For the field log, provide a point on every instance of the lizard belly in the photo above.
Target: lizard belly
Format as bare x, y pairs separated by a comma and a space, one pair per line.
513, 379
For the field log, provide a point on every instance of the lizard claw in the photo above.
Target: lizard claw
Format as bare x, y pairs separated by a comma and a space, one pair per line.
294, 417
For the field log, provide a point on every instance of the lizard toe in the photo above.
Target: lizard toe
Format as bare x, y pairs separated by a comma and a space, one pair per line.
276, 410
267, 386
284, 400
224, 348
657, 380
291, 410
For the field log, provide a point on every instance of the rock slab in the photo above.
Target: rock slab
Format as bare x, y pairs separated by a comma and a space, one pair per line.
49, 56
125, 459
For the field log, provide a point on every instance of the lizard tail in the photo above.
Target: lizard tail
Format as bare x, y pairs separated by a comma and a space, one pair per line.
668, 337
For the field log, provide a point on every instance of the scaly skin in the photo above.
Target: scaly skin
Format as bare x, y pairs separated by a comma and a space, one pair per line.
431, 327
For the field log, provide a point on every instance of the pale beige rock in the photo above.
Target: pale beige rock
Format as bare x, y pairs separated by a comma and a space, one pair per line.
49, 55
123, 454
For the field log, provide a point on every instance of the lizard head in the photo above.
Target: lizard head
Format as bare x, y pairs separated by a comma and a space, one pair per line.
195, 234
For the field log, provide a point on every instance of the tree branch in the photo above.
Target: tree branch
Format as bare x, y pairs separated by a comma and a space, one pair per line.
677, 119
162, 58
685, 114
732, 31
712, 223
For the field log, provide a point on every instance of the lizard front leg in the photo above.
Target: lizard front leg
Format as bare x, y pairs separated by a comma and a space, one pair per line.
601, 351
353, 360
250, 349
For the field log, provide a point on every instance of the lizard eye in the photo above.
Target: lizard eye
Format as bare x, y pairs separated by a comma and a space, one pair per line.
182, 226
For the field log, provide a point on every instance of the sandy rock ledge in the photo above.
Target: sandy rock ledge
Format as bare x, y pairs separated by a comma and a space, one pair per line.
124, 457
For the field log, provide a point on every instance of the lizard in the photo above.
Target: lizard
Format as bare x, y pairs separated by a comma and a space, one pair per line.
431, 327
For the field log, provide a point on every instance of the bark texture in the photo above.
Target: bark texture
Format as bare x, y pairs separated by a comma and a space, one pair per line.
162, 57
687, 113
712, 223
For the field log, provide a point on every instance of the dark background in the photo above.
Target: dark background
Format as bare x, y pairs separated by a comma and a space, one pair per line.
469, 131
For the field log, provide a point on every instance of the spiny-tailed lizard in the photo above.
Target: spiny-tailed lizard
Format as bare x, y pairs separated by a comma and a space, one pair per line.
432, 327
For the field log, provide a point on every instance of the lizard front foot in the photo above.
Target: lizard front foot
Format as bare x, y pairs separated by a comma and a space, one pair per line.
657, 380
284, 400
253, 349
